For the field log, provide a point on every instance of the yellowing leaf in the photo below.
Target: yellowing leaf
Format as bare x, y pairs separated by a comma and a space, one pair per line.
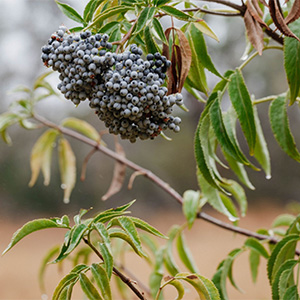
203, 27
41, 156
67, 166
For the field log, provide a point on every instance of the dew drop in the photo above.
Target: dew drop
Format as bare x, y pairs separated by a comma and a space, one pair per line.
268, 177
63, 186
66, 200
44, 297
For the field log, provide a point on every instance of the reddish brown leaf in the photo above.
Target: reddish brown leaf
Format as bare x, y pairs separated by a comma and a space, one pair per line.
294, 13
254, 32
264, 3
256, 12
277, 16
118, 176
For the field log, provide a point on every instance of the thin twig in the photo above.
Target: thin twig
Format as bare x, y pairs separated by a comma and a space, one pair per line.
125, 279
158, 181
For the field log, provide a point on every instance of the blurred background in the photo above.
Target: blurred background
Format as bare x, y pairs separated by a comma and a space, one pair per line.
25, 26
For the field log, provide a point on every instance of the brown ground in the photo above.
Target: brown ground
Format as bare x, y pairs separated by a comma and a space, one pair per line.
209, 245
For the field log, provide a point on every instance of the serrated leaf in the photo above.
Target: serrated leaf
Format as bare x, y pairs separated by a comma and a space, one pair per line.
204, 287
70, 12
286, 266
147, 227
261, 152
283, 250
88, 288
291, 293
283, 220
280, 127
41, 155
67, 166
151, 45
82, 127
102, 231
145, 16
254, 260
109, 13
255, 245
292, 61
159, 30
118, 175
190, 206
242, 104
109, 27
185, 254
107, 258
66, 281
294, 13
102, 280
30, 227
178, 14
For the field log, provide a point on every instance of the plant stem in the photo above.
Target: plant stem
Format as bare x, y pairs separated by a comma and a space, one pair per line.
158, 181
125, 279
245, 63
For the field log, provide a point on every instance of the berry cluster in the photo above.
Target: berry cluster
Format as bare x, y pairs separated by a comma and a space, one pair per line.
125, 90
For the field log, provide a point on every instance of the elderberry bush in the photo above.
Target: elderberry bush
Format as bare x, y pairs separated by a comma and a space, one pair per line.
125, 89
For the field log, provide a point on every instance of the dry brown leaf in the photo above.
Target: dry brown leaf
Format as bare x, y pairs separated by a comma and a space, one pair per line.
277, 17
263, 2
256, 12
294, 13
118, 175
181, 58
254, 32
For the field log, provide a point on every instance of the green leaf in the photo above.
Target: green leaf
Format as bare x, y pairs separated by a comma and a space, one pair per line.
169, 260
283, 220
151, 45
101, 229
109, 13
202, 26
82, 127
261, 152
185, 254
41, 156
7, 119
157, 274
238, 193
242, 104
292, 61
145, 16
90, 9
107, 258
199, 44
295, 226
129, 227
283, 250
204, 287
159, 30
88, 288
177, 284
291, 293
283, 276
147, 227
50, 254
223, 271
161, 2
70, 12
67, 166
190, 206
30, 227
280, 127
101, 280
109, 27
254, 260
178, 14
214, 198
77, 233
65, 282
255, 245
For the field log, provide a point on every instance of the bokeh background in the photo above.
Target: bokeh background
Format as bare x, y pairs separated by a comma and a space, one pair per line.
25, 26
